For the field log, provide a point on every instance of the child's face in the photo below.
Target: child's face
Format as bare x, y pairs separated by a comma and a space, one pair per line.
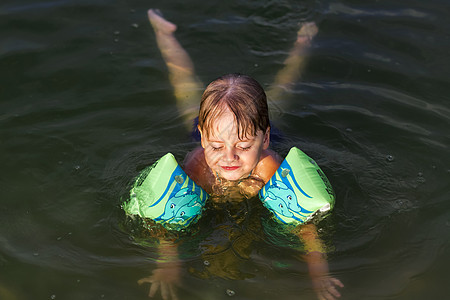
227, 155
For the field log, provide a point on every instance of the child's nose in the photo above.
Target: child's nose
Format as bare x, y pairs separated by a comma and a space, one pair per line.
230, 154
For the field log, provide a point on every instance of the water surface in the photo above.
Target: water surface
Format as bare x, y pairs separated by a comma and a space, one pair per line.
86, 104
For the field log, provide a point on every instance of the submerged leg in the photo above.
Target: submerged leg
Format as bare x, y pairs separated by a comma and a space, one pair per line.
181, 69
293, 64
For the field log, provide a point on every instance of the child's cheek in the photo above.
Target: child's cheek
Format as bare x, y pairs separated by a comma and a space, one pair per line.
214, 156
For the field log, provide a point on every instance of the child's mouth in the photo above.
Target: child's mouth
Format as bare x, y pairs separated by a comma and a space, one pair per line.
227, 168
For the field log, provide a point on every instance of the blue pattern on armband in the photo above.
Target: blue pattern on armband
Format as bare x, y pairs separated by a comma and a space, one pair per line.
278, 195
184, 203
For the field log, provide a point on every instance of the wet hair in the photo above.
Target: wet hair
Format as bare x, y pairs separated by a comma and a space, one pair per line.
243, 96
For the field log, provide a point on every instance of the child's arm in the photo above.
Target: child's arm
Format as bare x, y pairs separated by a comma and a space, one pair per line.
315, 257
166, 276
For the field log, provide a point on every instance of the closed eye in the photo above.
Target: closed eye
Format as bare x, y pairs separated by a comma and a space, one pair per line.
216, 148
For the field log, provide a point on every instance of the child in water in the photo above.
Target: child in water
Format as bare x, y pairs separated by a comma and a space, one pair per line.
234, 160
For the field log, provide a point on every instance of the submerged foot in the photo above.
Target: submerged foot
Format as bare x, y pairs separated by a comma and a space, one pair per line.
158, 22
306, 33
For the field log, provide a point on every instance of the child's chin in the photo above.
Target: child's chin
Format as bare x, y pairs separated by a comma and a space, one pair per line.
231, 177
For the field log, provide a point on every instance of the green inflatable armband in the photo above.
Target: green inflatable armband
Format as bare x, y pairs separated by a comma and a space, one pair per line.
298, 191
164, 193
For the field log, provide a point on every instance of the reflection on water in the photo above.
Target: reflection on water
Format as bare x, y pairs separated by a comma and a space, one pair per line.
86, 104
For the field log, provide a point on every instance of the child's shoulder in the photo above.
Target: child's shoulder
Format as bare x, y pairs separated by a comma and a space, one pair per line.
268, 163
197, 169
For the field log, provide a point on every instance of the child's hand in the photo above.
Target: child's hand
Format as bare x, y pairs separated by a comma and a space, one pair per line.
325, 287
250, 187
166, 277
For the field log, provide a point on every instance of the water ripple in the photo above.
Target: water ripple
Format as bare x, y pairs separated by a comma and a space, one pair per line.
340, 8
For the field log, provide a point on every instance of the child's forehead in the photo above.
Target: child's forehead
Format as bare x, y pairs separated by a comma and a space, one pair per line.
223, 123
229, 131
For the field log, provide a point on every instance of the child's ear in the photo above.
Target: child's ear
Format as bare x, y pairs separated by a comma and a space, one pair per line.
266, 141
202, 141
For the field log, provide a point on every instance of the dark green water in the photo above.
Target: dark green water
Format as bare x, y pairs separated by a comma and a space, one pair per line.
85, 104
